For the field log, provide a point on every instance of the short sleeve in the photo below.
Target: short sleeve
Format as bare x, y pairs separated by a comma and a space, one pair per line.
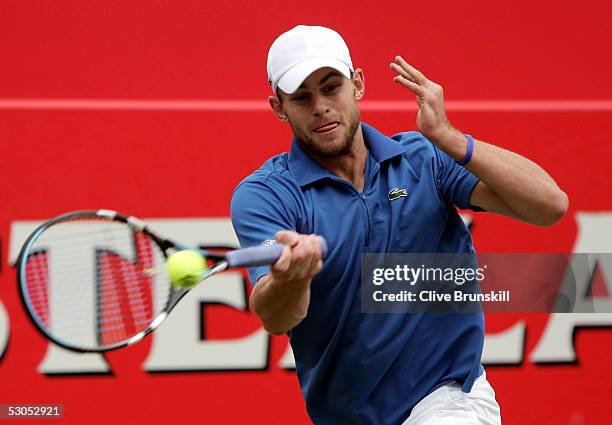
257, 214
455, 182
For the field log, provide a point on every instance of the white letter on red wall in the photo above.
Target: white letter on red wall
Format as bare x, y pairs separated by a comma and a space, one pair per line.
557, 342
4, 329
176, 344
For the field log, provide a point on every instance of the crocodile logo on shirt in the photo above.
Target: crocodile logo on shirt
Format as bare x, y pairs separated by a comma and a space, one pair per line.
397, 193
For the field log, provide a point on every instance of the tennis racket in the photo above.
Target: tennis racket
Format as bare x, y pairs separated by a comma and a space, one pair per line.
95, 281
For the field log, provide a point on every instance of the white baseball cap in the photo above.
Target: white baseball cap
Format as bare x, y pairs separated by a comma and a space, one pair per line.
299, 52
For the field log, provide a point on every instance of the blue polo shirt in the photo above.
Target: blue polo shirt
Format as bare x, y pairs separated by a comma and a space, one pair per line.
357, 368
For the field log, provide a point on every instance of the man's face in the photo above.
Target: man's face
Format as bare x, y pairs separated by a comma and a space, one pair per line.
323, 113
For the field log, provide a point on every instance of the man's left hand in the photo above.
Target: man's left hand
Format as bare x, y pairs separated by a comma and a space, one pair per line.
431, 118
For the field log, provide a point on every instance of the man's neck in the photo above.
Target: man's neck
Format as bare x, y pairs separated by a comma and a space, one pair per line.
350, 167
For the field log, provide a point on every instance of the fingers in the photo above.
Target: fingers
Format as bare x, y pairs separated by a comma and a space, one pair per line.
408, 71
408, 76
402, 73
287, 237
301, 257
284, 262
305, 256
416, 82
410, 85
431, 117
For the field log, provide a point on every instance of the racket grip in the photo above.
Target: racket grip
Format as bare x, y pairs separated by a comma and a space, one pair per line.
261, 255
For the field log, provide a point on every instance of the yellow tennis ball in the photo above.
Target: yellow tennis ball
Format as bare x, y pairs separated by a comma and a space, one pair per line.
185, 267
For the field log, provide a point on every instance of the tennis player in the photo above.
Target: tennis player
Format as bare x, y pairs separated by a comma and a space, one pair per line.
366, 192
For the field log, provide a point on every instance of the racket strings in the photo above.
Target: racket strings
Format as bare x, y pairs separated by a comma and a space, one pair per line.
38, 294
37, 267
37, 281
128, 301
95, 283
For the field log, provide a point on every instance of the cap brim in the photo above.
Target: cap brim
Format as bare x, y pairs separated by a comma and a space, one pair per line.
293, 78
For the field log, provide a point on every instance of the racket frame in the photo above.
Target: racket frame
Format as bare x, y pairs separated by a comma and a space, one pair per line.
135, 224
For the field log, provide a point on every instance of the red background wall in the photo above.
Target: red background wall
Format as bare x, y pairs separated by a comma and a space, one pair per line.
184, 163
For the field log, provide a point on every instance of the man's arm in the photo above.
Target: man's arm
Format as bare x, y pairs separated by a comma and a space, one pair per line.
514, 186
509, 184
261, 211
281, 298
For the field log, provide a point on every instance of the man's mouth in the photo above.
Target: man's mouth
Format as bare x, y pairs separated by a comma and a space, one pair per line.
327, 128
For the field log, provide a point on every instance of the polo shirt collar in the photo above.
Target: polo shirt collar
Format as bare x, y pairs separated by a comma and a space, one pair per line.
306, 170
380, 146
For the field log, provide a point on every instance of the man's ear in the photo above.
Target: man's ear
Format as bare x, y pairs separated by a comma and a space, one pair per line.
359, 83
277, 108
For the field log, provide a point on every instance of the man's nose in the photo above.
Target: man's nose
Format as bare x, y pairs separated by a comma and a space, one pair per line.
320, 105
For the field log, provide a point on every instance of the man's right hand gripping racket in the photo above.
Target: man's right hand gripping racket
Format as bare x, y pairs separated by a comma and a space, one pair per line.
95, 281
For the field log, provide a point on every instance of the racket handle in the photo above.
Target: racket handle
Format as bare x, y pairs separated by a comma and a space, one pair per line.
261, 255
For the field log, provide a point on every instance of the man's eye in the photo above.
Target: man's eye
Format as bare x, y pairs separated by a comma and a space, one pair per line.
331, 88
299, 98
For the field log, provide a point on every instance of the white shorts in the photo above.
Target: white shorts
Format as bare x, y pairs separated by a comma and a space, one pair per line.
448, 405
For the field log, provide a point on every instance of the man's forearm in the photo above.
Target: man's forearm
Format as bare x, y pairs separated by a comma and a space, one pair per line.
524, 186
280, 305
509, 184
